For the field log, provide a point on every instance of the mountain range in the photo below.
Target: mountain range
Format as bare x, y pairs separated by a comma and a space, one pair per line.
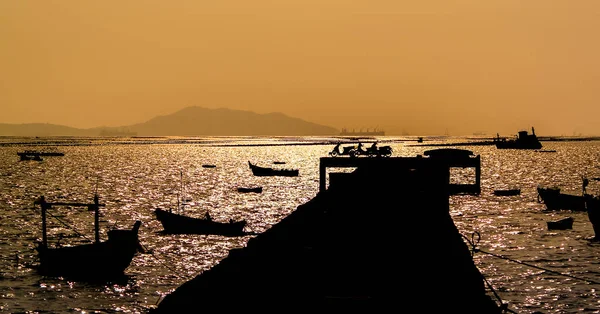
190, 121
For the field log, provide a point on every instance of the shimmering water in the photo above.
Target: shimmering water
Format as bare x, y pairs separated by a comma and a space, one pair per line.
133, 177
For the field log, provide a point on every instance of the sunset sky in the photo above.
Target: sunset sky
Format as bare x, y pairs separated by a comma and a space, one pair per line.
423, 67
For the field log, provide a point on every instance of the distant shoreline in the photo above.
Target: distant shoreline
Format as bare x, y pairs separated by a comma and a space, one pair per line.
541, 139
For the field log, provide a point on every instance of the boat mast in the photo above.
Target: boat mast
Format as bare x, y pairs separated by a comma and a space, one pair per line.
95, 207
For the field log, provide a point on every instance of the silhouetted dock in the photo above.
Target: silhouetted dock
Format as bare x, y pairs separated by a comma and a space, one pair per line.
380, 237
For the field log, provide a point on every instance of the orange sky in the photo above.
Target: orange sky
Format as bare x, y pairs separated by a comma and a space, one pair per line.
423, 67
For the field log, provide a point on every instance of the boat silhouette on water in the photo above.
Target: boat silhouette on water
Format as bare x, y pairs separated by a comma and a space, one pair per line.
257, 189
36, 155
97, 261
263, 171
554, 199
561, 224
180, 224
523, 141
507, 192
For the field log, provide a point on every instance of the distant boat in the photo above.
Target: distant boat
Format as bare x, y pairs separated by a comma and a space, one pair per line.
95, 261
279, 162
523, 141
561, 224
375, 132
262, 171
257, 189
508, 192
208, 166
555, 200
179, 224
31, 157
36, 155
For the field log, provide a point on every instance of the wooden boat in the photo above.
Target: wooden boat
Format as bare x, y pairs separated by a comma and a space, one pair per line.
508, 192
39, 153
180, 224
555, 200
257, 189
95, 261
262, 171
592, 204
31, 157
523, 141
561, 224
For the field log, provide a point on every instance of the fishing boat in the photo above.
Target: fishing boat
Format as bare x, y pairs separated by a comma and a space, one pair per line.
523, 141
554, 199
180, 224
263, 171
257, 189
100, 260
507, 192
31, 157
33, 153
592, 204
561, 224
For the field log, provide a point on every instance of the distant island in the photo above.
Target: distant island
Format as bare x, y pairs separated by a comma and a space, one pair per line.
190, 121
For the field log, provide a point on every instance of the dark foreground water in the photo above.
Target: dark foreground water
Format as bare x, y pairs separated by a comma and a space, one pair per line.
132, 177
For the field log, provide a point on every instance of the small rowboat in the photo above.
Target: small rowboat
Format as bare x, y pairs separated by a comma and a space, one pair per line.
562, 224
509, 192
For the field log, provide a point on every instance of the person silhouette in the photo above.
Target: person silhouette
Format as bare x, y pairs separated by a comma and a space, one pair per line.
337, 147
207, 216
374, 147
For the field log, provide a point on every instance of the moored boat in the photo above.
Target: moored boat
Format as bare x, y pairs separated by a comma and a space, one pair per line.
257, 189
555, 200
263, 171
523, 141
180, 224
101, 260
592, 204
561, 224
507, 192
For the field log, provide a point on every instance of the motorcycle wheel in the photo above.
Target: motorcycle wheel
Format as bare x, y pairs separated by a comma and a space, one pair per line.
333, 154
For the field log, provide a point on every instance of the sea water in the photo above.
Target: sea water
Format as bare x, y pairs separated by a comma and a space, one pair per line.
527, 266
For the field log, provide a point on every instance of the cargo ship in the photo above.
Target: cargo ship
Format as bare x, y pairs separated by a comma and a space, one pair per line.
375, 132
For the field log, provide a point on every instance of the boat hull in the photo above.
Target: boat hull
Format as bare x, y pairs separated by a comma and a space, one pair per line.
507, 192
179, 224
555, 200
592, 204
562, 224
264, 172
101, 261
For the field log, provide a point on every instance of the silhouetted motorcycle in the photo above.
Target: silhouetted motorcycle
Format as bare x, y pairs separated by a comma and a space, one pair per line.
384, 151
348, 150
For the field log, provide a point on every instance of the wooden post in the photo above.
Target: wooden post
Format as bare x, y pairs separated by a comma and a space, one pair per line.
44, 235
322, 176
96, 219
478, 175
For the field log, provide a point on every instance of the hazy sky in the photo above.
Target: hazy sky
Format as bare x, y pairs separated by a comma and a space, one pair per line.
418, 66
